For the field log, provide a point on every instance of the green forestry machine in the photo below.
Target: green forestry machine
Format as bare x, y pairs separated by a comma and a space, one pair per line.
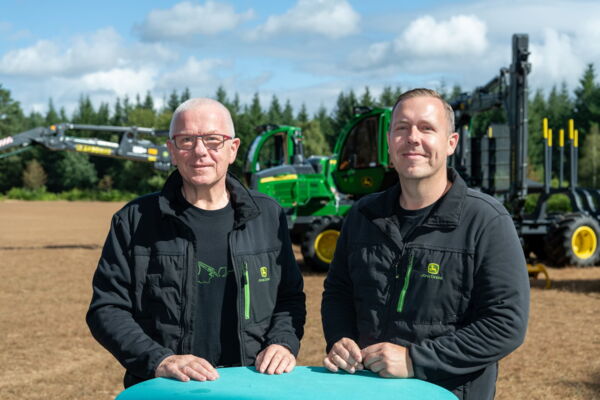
318, 191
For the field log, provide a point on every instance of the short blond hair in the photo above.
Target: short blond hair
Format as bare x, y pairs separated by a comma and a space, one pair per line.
424, 92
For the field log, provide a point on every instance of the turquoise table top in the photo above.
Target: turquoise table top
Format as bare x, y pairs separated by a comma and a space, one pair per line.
314, 383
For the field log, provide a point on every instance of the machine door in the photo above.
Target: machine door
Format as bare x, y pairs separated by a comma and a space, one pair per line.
359, 170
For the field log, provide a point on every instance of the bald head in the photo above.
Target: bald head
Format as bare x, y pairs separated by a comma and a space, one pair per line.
202, 104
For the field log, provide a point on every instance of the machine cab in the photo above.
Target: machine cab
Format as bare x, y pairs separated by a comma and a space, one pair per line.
362, 164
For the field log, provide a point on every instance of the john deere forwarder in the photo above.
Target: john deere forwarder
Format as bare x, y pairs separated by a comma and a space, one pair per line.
317, 192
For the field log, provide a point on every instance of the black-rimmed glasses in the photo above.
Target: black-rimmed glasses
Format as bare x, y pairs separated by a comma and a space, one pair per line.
211, 142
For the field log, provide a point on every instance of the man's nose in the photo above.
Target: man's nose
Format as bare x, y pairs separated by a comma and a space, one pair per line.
413, 134
199, 148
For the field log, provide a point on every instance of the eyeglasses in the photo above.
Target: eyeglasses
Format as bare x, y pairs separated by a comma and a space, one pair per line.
211, 142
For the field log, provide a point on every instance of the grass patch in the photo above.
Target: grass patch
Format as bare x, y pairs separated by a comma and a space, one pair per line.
70, 195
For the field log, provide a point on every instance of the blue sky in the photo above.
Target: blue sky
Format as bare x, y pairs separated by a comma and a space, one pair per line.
305, 51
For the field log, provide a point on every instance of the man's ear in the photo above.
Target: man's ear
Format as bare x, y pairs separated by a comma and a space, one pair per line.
452, 142
235, 145
171, 149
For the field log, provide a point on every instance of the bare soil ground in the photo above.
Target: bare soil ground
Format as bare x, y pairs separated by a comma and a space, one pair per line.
48, 253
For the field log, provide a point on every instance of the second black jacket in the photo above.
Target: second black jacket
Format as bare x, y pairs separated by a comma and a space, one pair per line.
455, 292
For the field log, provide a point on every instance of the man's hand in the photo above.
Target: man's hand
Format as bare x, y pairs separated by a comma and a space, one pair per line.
186, 367
344, 354
388, 360
275, 359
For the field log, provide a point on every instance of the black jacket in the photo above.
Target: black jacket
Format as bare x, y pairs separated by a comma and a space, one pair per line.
455, 291
144, 286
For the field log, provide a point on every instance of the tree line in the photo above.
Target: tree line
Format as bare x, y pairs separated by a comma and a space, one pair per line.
36, 168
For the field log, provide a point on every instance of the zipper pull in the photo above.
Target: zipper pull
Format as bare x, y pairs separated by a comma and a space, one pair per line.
244, 274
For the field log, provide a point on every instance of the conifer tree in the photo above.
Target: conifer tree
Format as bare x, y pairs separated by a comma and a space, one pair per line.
287, 115
302, 116
52, 116
173, 101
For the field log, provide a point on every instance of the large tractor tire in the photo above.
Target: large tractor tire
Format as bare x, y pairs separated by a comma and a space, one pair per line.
319, 243
574, 240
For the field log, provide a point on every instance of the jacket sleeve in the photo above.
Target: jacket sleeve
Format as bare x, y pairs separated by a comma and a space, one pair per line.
110, 316
289, 315
498, 312
337, 307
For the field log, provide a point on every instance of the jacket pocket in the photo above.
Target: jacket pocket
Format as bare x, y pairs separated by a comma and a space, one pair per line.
435, 285
260, 276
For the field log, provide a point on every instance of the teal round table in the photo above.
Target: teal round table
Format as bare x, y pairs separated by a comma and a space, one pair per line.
313, 383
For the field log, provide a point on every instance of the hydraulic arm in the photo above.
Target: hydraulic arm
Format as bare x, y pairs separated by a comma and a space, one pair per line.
130, 146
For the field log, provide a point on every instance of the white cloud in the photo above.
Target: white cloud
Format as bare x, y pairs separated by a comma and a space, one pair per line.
375, 54
425, 46
101, 51
555, 60
47, 58
460, 35
331, 18
193, 74
120, 81
187, 19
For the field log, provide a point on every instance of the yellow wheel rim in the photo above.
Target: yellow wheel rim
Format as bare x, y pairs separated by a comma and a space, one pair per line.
325, 244
584, 242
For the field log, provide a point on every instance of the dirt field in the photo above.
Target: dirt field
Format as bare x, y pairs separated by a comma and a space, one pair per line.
48, 253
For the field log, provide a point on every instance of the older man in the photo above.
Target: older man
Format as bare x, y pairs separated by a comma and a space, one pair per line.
202, 274
428, 278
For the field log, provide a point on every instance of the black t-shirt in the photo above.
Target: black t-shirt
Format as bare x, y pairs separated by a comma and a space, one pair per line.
215, 312
408, 220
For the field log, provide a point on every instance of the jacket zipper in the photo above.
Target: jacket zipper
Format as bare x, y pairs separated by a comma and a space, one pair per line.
185, 300
246, 282
242, 279
402, 296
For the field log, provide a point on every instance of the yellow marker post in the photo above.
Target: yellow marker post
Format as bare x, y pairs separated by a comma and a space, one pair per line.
549, 137
561, 139
576, 137
571, 128
545, 127
561, 154
490, 132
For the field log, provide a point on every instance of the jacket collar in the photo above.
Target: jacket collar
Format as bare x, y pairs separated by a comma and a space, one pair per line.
244, 206
445, 214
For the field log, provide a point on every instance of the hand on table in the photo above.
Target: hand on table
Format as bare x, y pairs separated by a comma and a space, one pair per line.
344, 354
388, 360
275, 359
186, 367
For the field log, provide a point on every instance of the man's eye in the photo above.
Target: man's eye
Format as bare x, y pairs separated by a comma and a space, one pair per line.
212, 139
186, 139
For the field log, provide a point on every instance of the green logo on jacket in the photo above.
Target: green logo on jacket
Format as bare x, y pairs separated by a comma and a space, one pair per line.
433, 268
264, 274
433, 272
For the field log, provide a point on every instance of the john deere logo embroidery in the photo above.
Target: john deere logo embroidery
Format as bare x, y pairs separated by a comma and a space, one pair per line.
433, 272
433, 269
264, 274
